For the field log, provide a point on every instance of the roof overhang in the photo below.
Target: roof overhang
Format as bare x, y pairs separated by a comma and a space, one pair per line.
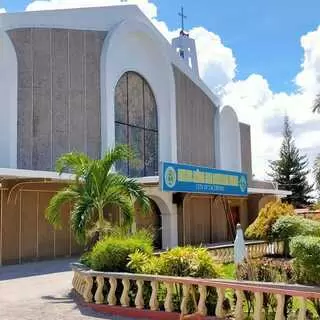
276, 192
7, 174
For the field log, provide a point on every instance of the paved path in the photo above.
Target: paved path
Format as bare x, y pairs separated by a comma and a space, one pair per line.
42, 291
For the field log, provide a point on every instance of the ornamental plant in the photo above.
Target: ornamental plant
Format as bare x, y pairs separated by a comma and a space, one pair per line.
287, 227
95, 187
112, 253
306, 253
180, 262
261, 228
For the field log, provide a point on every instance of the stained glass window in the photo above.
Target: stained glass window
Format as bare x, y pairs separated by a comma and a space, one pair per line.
136, 124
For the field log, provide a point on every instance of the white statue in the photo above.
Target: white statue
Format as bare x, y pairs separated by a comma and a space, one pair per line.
240, 250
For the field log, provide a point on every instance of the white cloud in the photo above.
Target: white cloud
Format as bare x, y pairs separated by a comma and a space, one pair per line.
309, 77
252, 98
217, 64
3, 10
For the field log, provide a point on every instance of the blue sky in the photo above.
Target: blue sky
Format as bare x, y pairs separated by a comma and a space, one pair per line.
264, 35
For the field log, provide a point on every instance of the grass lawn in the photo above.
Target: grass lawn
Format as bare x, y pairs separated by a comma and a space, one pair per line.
229, 271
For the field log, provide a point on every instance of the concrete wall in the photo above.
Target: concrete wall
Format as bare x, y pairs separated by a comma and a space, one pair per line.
8, 102
58, 94
245, 140
135, 46
195, 114
230, 144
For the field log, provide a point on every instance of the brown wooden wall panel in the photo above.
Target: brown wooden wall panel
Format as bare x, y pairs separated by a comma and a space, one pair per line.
253, 207
10, 230
180, 224
46, 231
197, 220
195, 115
28, 225
203, 220
200, 221
219, 221
62, 236
26, 235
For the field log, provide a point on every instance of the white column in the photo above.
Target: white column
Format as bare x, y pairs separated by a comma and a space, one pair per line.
169, 229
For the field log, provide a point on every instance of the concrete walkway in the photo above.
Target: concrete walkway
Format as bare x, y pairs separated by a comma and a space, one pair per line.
42, 291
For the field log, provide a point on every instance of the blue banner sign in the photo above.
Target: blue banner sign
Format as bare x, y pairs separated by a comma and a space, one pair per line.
194, 179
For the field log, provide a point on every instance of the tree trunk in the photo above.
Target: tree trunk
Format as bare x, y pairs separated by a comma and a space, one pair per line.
100, 222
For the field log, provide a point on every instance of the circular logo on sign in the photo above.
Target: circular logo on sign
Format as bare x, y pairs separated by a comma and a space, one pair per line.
170, 177
243, 183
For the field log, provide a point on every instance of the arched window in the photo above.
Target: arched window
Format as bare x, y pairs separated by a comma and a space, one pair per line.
136, 124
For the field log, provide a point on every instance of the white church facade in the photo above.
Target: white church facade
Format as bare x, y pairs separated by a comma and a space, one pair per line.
87, 79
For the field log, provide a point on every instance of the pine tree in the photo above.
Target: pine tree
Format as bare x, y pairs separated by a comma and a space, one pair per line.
290, 171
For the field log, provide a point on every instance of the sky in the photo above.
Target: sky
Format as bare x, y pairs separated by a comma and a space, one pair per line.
260, 57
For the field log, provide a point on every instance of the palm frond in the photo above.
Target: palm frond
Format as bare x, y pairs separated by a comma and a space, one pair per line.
118, 153
316, 104
126, 206
82, 217
53, 212
316, 172
76, 162
133, 189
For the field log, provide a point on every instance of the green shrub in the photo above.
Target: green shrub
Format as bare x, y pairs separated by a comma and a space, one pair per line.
287, 227
112, 253
188, 262
260, 229
306, 264
267, 270
291, 226
179, 262
141, 262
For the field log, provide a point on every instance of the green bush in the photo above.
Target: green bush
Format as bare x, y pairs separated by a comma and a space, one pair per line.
112, 253
306, 264
290, 226
261, 228
287, 227
179, 262
188, 262
267, 270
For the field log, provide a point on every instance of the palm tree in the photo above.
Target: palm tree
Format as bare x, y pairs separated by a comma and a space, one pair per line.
95, 186
316, 104
316, 172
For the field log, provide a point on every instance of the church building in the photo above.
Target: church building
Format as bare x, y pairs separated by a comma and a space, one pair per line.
88, 79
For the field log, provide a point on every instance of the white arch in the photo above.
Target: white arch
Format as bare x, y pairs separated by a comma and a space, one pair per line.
169, 216
134, 46
8, 103
230, 143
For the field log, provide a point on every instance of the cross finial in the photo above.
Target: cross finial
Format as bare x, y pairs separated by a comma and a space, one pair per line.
181, 14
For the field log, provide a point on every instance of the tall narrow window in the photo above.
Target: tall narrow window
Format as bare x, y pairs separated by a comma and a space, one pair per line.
136, 124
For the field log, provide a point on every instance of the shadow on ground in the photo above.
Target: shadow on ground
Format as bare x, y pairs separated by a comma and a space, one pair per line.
73, 298
35, 269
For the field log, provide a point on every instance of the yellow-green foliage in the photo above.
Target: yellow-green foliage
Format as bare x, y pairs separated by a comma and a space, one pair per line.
260, 229
181, 262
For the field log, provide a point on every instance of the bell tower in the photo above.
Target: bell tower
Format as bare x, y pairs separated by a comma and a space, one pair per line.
186, 47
